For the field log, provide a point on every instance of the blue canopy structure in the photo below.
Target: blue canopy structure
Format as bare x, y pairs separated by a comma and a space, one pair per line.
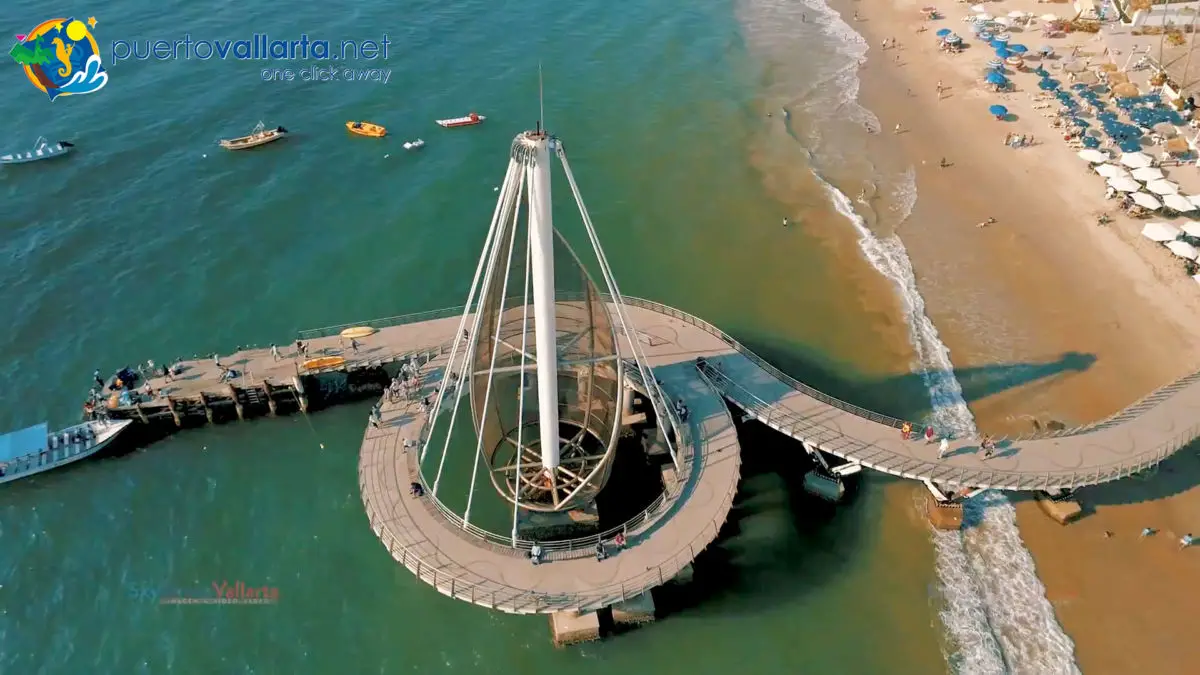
1091, 142
998, 110
1003, 53
1080, 122
996, 78
1041, 72
943, 32
1047, 84
998, 44
1080, 87
1130, 146
27, 441
1018, 48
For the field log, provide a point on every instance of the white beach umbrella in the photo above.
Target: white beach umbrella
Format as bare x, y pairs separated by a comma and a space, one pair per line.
1162, 187
978, 9
1183, 249
1160, 231
1093, 156
984, 17
1003, 21
1182, 205
1017, 14
1146, 201
1003, 37
1136, 160
1148, 173
1049, 17
1195, 199
1196, 278
1112, 171
1192, 229
1122, 184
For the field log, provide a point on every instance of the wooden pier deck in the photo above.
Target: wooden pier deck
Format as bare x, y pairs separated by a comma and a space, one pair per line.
491, 570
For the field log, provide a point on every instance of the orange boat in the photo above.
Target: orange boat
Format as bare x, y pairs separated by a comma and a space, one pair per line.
469, 120
366, 129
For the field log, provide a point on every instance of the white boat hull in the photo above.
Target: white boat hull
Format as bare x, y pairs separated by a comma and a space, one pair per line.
63, 451
45, 152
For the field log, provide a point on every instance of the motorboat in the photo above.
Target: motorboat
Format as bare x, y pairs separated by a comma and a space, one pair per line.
42, 149
414, 145
366, 129
35, 449
469, 120
260, 136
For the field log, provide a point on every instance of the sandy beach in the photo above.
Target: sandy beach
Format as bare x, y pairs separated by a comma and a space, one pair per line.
1086, 318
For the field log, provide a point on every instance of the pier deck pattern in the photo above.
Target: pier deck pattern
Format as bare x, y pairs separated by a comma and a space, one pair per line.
462, 566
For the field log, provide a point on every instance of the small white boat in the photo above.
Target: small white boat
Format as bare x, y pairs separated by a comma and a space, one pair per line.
414, 145
466, 121
260, 136
42, 149
34, 450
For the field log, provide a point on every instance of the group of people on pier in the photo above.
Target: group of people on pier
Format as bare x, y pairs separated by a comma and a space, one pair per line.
987, 443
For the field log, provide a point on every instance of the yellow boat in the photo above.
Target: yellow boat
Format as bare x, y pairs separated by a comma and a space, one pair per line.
324, 362
366, 129
358, 332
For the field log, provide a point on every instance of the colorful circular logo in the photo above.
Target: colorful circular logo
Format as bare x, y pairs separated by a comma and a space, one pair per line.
61, 58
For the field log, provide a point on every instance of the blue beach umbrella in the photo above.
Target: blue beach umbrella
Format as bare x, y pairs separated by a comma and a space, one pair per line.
996, 78
1131, 145
1041, 72
1080, 87
943, 32
1091, 142
997, 44
1048, 84
1080, 123
998, 110
1003, 53
1018, 49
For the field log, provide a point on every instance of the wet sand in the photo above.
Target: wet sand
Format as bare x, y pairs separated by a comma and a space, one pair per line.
1048, 316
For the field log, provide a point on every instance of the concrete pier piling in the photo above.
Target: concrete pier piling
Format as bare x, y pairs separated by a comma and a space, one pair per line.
572, 628
634, 611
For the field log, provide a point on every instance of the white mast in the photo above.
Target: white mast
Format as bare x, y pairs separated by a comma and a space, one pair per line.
541, 257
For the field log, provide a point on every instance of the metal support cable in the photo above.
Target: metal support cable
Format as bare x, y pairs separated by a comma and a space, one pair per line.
521, 395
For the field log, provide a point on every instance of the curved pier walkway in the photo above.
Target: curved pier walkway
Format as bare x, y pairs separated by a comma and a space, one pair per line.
492, 570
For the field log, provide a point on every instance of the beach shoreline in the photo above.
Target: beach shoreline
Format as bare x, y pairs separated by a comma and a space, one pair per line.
1089, 318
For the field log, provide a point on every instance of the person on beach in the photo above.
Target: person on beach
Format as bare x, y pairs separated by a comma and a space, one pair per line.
274, 351
1147, 531
940, 88
1186, 541
897, 129
785, 221
943, 448
987, 222
943, 164
906, 430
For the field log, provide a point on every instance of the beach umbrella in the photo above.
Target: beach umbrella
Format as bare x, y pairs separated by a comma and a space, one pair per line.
1178, 146
1018, 48
1129, 145
1182, 205
996, 78
1162, 187
1079, 87
1003, 37
1125, 90
1191, 229
1091, 142
1160, 231
1148, 173
1146, 201
1047, 84
1166, 129
953, 40
984, 17
1046, 50
1085, 78
1004, 21
1195, 199
1110, 170
1002, 53
1124, 184
1074, 66
998, 110
943, 32
1183, 249
997, 44
979, 9
1093, 157
985, 36
1049, 17
1017, 14
1015, 61
1041, 72
995, 63
1136, 160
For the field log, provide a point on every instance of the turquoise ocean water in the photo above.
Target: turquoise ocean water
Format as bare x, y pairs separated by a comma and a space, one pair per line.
150, 242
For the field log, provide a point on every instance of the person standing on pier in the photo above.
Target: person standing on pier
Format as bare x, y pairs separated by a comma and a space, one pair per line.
354, 345
217, 361
943, 448
906, 430
274, 351
166, 372
929, 433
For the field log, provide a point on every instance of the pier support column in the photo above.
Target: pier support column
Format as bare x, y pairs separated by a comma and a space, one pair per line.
570, 628
300, 395
634, 611
271, 406
237, 402
174, 412
141, 413
815, 453
685, 575
207, 410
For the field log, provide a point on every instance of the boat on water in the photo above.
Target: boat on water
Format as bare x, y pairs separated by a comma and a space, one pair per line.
42, 149
469, 120
33, 450
366, 129
413, 145
260, 136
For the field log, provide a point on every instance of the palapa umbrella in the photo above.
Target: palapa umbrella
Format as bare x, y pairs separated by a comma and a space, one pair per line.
1160, 231
1074, 66
1182, 205
1088, 78
1192, 228
1178, 146
1183, 249
1148, 173
1124, 184
1162, 187
1111, 170
1046, 50
1146, 201
1015, 61
1109, 67
1136, 160
1117, 78
943, 32
1125, 90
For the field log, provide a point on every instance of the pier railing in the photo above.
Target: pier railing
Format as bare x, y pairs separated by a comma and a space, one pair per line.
828, 440
581, 546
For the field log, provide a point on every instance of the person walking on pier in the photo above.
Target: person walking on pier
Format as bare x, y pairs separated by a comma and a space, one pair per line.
354, 345
989, 447
166, 372
906, 430
376, 416
929, 434
274, 352
943, 448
